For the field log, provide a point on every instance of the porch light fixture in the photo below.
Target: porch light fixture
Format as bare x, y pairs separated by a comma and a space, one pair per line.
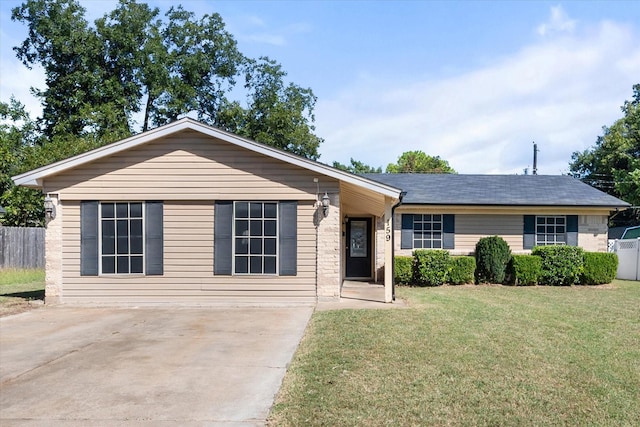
325, 204
49, 209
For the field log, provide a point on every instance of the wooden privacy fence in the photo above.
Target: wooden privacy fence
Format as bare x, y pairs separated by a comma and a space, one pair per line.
628, 251
21, 247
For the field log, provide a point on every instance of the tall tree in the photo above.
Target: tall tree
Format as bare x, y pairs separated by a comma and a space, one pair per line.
419, 162
18, 137
132, 61
613, 163
357, 167
277, 114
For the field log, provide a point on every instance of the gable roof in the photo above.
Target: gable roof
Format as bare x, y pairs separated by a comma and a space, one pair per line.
497, 190
34, 178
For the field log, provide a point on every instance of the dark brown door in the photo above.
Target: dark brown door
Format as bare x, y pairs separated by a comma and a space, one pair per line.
359, 248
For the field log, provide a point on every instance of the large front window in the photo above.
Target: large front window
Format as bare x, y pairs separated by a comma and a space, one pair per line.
255, 237
427, 231
551, 230
122, 238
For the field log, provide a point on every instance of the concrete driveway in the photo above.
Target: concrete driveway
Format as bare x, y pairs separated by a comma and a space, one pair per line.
148, 366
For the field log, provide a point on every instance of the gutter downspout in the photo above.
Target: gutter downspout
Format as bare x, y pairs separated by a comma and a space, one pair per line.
393, 246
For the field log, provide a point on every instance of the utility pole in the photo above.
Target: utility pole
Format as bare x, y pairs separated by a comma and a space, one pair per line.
535, 158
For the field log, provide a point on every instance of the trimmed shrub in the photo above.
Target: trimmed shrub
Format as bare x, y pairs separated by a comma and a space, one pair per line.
561, 265
461, 270
403, 269
524, 270
492, 256
599, 268
431, 267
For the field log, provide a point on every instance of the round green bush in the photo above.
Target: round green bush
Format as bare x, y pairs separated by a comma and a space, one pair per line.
599, 268
403, 269
461, 270
561, 265
431, 267
492, 256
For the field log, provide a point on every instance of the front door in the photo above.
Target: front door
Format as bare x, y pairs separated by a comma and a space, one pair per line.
359, 248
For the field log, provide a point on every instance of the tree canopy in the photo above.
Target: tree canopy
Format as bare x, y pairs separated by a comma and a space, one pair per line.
419, 162
613, 163
134, 69
357, 167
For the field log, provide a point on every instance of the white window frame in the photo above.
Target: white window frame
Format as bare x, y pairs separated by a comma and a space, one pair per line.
551, 238
262, 255
433, 224
129, 254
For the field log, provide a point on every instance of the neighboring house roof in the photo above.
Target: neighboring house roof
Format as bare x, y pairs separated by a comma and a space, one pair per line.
34, 178
497, 190
631, 233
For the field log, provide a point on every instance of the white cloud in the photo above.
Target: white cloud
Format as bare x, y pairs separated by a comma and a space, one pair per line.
558, 92
558, 22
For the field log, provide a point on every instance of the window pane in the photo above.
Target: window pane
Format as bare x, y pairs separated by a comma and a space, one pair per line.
417, 226
560, 221
242, 264
270, 210
136, 210
242, 246
136, 264
437, 217
426, 217
270, 228
437, 226
417, 244
560, 229
256, 265
255, 246
256, 210
108, 264
256, 228
123, 264
242, 210
427, 227
540, 229
136, 236
108, 237
242, 227
539, 220
437, 244
122, 210
123, 236
270, 265
107, 210
269, 246
426, 244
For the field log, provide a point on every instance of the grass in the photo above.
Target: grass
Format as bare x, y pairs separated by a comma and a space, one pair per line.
20, 290
472, 355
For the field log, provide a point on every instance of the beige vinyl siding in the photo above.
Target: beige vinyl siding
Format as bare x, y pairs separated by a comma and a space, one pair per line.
188, 166
188, 265
471, 228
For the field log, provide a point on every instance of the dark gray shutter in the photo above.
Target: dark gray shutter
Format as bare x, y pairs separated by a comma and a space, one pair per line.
449, 229
288, 237
572, 230
529, 235
154, 240
222, 238
406, 236
89, 238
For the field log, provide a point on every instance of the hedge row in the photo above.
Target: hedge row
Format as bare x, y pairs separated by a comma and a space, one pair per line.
548, 265
434, 267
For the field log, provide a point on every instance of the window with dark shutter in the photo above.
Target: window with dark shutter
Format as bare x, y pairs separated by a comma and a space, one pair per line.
223, 238
89, 238
288, 238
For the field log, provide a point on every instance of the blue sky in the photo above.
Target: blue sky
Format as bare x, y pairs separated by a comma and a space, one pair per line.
473, 82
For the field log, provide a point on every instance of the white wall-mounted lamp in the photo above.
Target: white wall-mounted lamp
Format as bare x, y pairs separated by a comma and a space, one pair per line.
325, 204
49, 209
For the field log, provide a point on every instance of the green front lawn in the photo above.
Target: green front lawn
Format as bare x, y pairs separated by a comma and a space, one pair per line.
20, 289
472, 355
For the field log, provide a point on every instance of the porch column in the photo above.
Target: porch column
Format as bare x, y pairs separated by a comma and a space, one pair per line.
388, 250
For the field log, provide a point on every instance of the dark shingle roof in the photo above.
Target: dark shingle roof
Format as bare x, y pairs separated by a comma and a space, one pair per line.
496, 190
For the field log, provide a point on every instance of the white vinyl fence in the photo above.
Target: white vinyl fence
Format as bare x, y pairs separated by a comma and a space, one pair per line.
628, 251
